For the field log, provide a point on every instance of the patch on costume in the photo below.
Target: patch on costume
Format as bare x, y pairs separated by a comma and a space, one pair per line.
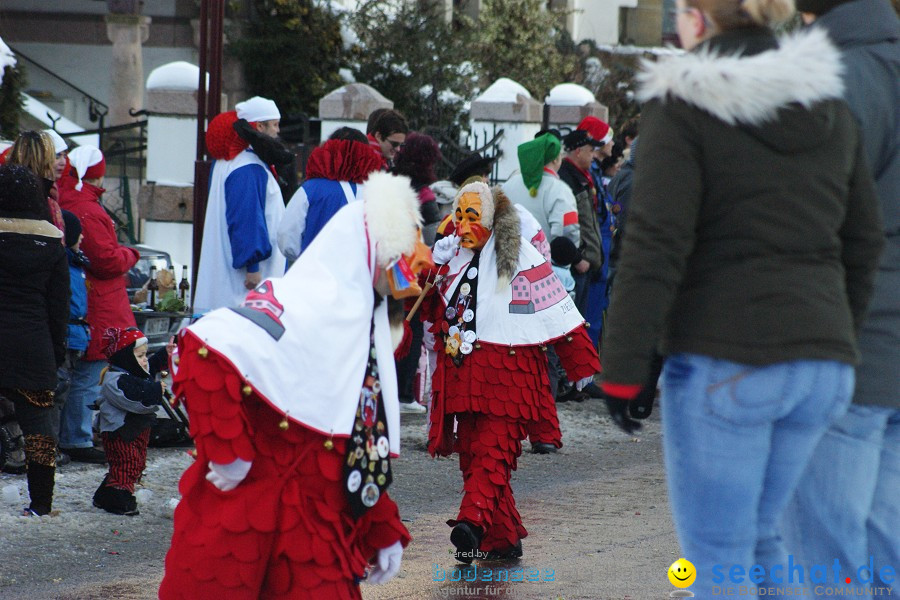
261, 307
535, 290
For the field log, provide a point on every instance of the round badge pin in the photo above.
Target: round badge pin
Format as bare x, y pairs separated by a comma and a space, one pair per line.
353, 481
464, 289
383, 446
359, 453
453, 331
468, 315
472, 273
376, 387
370, 494
470, 336
465, 348
450, 313
381, 479
385, 466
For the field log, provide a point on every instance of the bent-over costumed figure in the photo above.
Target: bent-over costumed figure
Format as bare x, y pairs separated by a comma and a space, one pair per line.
293, 407
498, 308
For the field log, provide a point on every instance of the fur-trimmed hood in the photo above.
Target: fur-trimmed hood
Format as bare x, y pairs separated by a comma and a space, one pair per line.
726, 79
508, 237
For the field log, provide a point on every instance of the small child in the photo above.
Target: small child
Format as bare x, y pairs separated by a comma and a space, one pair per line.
129, 397
564, 254
79, 333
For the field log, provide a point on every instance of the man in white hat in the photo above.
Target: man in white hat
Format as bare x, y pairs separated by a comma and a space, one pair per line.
243, 211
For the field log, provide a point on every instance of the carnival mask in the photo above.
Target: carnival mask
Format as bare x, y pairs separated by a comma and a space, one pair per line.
473, 235
403, 273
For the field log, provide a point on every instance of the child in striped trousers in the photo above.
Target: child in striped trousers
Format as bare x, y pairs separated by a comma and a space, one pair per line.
129, 397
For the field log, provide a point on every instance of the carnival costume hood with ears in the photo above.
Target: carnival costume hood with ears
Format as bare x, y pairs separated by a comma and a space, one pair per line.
520, 301
302, 341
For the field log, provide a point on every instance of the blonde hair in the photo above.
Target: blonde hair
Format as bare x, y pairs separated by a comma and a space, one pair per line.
34, 150
736, 14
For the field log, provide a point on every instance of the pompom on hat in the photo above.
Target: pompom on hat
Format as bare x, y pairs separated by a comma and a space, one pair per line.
257, 109
222, 141
88, 162
533, 155
116, 339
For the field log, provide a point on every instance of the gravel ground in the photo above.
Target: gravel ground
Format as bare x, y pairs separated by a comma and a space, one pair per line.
596, 512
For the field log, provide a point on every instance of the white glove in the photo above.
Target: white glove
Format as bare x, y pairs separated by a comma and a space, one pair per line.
445, 249
387, 565
227, 477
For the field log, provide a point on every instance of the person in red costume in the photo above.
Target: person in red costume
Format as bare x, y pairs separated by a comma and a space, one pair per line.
293, 407
498, 307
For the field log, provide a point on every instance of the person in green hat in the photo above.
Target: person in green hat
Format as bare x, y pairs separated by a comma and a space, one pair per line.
539, 189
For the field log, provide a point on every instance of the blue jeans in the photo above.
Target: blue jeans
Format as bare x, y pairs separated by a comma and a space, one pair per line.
76, 419
736, 440
849, 496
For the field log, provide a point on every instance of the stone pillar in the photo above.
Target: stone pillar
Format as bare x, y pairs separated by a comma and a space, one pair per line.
349, 106
166, 200
505, 105
126, 88
569, 103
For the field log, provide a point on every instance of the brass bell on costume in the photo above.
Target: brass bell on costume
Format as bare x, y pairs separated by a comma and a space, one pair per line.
283, 425
246, 390
203, 352
329, 445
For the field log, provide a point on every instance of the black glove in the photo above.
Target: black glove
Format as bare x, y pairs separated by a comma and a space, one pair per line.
618, 410
270, 150
642, 406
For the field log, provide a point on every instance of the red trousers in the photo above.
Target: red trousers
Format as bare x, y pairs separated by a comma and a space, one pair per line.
127, 460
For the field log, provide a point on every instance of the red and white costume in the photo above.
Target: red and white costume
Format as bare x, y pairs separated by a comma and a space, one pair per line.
277, 383
501, 388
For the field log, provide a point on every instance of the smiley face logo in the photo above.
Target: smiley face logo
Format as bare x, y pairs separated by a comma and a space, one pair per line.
682, 573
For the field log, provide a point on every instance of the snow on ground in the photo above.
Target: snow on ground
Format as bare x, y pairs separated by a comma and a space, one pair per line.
75, 485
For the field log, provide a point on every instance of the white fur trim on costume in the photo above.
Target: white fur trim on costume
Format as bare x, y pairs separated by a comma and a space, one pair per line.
392, 215
806, 68
487, 202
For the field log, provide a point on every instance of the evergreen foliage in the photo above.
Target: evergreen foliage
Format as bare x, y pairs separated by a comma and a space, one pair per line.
521, 40
408, 52
12, 103
291, 51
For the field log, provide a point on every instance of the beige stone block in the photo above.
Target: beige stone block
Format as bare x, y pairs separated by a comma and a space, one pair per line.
352, 102
523, 110
166, 203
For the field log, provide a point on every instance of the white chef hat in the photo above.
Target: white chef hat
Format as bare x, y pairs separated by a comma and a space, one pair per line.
257, 109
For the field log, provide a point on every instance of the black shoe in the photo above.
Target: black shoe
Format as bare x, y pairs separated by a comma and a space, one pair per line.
567, 394
542, 448
115, 500
467, 539
94, 456
511, 553
592, 390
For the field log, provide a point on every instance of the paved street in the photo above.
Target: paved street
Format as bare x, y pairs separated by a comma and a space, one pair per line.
596, 512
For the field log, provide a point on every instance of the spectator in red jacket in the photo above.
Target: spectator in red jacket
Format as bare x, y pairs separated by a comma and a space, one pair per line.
108, 303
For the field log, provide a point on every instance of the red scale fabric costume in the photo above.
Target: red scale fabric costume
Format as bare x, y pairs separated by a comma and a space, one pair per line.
273, 390
499, 392
287, 532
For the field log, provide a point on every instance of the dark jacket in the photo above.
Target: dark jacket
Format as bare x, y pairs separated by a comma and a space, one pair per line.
34, 304
868, 34
754, 228
79, 330
591, 247
620, 193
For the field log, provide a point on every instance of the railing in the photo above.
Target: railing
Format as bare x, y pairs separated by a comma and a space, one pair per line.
97, 110
452, 153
